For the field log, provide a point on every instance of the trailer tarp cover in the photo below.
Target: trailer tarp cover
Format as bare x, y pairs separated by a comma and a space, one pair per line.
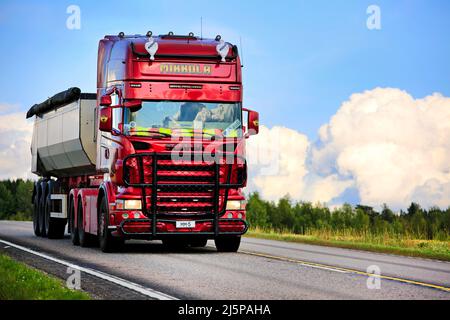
59, 99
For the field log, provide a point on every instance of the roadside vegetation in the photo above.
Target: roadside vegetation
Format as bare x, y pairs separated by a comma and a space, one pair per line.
20, 282
15, 199
414, 232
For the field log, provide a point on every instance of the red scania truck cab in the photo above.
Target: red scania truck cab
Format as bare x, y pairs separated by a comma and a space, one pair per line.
158, 153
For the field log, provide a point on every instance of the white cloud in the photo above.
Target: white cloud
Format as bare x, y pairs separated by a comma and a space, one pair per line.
15, 140
276, 160
391, 147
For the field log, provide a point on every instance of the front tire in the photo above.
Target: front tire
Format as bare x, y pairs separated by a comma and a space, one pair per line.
106, 241
228, 243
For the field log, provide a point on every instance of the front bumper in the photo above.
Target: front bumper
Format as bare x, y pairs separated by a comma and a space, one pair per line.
143, 229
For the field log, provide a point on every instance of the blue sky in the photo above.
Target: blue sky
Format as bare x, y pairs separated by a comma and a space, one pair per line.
302, 61
302, 58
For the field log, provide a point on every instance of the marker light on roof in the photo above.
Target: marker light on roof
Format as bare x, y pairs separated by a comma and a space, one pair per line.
223, 48
151, 46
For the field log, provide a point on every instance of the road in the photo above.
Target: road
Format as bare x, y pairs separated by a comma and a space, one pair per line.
262, 269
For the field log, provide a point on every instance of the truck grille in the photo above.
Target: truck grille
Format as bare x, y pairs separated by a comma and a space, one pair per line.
180, 188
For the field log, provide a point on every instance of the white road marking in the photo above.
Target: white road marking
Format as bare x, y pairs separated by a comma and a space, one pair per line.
108, 277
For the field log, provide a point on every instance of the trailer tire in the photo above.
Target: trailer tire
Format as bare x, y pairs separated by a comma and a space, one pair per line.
73, 229
42, 212
106, 241
36, 226
227, 243
54, 227
86, 239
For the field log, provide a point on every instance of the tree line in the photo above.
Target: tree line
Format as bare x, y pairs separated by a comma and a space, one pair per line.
307, 218
288, 216
15, 199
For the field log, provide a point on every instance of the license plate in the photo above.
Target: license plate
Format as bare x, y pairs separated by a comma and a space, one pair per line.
185, 224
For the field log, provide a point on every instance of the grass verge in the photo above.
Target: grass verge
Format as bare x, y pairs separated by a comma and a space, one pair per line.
431, 249
20, 282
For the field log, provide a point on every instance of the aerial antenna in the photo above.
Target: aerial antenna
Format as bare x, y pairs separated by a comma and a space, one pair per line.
201, 27
242, 52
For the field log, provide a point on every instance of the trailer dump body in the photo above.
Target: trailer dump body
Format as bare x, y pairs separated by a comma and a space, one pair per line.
157, 153
63, 142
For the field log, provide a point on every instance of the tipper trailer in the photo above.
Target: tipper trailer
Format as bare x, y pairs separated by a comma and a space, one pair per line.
158, 152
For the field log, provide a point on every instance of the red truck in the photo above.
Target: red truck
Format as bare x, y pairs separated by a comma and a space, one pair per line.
158, 152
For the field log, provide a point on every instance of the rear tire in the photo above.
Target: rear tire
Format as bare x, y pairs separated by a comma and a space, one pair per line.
228, 243
86, 239
73, 229
54, 227
106, 241
36, 226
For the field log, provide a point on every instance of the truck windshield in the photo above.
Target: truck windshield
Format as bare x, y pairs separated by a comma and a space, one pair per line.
184, 118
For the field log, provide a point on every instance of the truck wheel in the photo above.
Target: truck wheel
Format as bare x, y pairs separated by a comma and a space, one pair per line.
198, 243
42, 216
36, 226
86, 239
228, 243
106, 241
73, 228
54, 227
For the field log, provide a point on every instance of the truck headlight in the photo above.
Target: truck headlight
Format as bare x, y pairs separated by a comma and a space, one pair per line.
236, 204
128, 204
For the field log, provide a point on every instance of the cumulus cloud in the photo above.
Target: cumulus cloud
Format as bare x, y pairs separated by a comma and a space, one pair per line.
15, 140
276, 160
391, 147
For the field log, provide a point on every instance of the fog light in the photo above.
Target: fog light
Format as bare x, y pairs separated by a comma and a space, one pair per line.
125, 216
236, 204
128, 204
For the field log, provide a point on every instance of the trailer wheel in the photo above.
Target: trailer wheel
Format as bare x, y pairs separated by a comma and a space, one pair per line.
228, 243
36, 226
73, 229
54, 228
42, 214
86, 239
106, 241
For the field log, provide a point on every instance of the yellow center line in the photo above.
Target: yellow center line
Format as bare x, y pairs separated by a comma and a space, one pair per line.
324, 266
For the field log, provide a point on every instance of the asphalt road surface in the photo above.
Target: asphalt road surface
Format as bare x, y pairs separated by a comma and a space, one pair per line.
262, 269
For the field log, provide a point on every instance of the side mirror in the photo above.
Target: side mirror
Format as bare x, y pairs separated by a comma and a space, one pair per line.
253, 123
105, 100
105, 124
